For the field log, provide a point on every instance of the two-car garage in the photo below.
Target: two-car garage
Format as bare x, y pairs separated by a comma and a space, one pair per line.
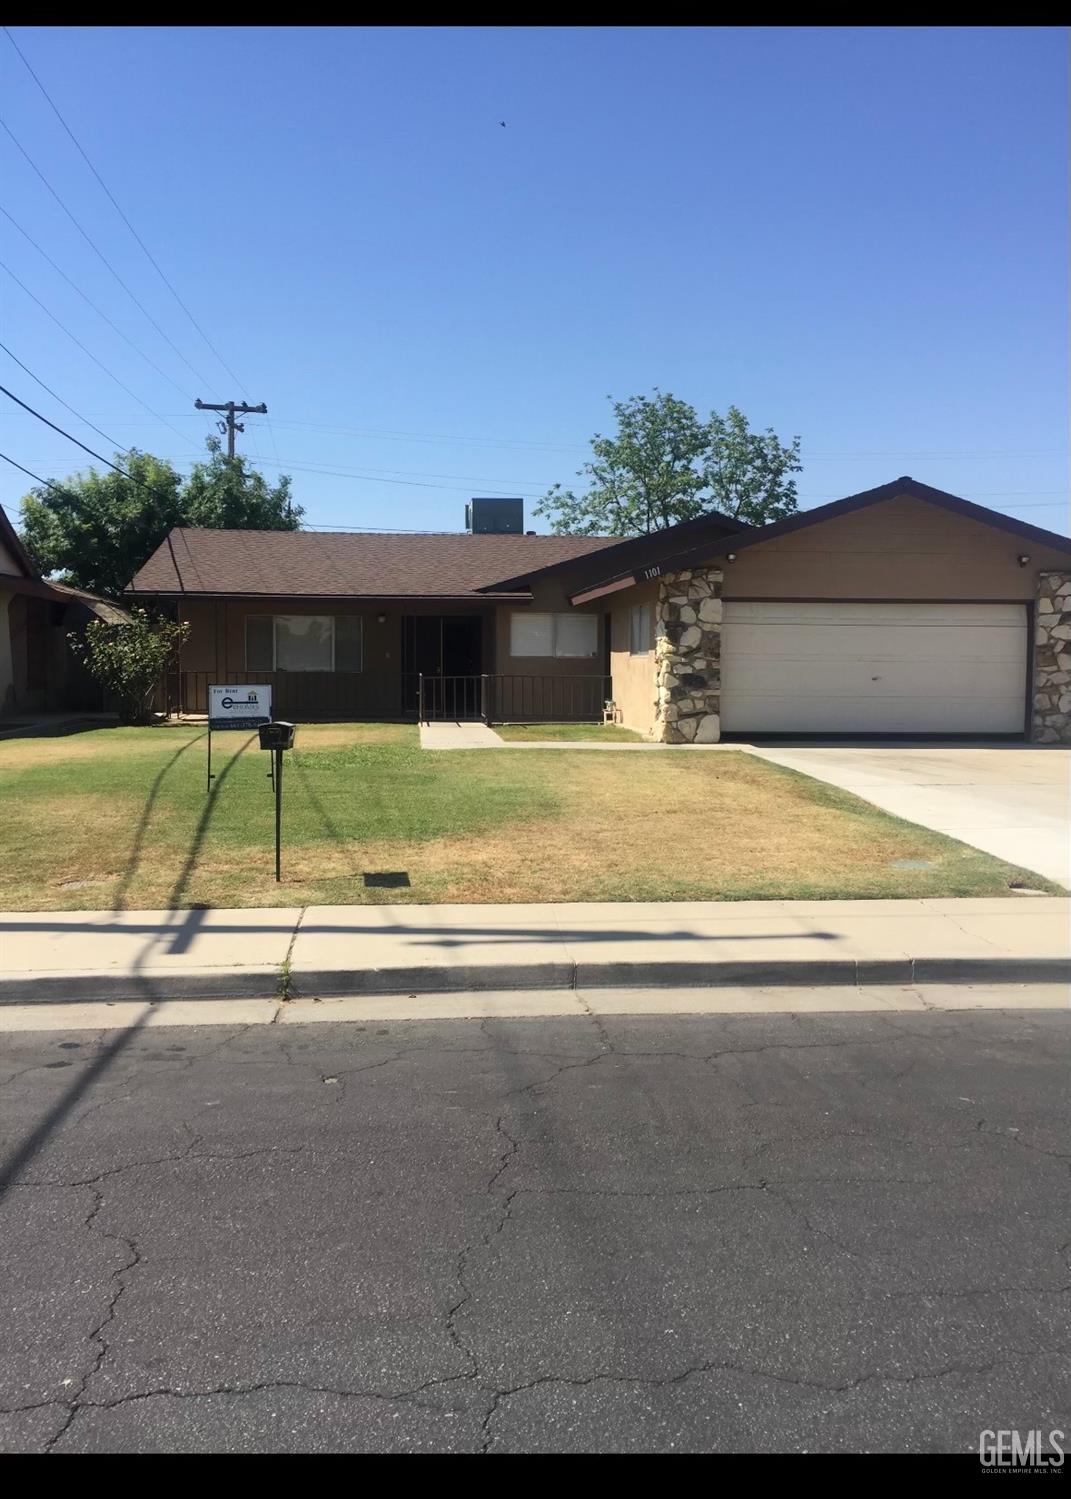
844, 667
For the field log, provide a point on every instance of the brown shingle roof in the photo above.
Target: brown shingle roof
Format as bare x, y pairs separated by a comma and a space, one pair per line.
348, 565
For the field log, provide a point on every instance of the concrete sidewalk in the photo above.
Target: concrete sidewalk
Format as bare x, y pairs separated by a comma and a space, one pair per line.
382, 950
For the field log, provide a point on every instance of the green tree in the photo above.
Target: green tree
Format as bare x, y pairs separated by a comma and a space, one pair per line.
226, 494
665, 465
97, 529
128, 657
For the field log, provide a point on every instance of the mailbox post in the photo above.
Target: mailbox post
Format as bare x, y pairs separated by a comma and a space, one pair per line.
276, 737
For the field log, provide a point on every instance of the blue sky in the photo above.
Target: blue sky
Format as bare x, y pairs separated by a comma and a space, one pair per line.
857, 235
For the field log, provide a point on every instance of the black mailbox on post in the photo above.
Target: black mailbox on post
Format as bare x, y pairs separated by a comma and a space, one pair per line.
277, 735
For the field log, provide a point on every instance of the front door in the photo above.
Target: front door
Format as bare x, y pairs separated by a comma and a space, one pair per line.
447, 649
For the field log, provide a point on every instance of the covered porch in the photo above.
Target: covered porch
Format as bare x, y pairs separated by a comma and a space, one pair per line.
380, 660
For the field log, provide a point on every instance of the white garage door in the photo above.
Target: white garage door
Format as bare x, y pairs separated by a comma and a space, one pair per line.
873, 668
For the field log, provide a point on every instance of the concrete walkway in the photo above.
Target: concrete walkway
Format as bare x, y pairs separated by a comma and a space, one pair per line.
1011, 800
379, 950
452, 736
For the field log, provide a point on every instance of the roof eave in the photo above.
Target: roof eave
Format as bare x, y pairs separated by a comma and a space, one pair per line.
358, 598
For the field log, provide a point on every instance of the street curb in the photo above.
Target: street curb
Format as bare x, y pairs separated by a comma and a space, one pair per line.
680, 973
264, 982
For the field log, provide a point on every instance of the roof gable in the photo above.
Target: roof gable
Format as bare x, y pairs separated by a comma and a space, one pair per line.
687, 556
918, 491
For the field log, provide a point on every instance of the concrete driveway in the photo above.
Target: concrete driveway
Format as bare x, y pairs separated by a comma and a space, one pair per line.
1011, 800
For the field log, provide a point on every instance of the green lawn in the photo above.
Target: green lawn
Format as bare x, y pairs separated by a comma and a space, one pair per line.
120, 818
605, 733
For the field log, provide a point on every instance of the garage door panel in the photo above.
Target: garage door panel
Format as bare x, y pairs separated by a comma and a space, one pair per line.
878, 716
873, 668
928, 677
864, 642
905, 615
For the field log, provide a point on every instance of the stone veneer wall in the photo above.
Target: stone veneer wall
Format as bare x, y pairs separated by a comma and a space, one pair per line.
1051, 720
688, 657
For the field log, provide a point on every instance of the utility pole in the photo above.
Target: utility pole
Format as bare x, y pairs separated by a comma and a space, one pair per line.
229, 425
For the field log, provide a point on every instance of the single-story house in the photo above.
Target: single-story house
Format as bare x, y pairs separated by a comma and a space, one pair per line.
38, 671
901, 610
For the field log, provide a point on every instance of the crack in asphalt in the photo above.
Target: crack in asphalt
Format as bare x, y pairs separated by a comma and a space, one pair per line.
97, 1334
189, 1154
725, 1367
1017, 1138
505, 1159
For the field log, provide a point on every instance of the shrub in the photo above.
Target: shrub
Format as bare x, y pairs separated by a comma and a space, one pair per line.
128, 657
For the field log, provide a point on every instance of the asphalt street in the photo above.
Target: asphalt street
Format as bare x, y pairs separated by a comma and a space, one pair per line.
819, 1232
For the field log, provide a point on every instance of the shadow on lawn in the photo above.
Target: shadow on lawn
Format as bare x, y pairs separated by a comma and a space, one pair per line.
395, 879
134, 857
178, 890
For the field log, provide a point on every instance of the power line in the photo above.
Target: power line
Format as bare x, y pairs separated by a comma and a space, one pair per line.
112, 200
48, 483
58, 398
74, 285
184, 436
79, 444
381, 434
101, 255
329, 473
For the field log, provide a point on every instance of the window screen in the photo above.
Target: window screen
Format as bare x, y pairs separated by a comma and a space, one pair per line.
348, 642
531, 635
553, 634
304, 642
259, 647
576, 634
639, 624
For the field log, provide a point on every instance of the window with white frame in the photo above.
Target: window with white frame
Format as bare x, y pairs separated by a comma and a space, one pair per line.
560, 635
303, 642
639, 630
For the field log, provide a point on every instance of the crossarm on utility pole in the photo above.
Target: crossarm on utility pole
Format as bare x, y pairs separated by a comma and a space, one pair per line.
230, 408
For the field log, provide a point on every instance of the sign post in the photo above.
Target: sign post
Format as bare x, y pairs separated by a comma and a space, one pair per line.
244, 707
276, 737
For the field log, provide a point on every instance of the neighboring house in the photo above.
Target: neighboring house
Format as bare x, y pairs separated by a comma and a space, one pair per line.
38, 672
902, 610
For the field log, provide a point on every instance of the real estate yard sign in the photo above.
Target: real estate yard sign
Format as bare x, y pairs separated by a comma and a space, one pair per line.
236, 708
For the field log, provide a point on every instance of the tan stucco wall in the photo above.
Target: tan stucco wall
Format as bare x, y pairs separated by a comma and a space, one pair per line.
8, 562
633, 676
900, 549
